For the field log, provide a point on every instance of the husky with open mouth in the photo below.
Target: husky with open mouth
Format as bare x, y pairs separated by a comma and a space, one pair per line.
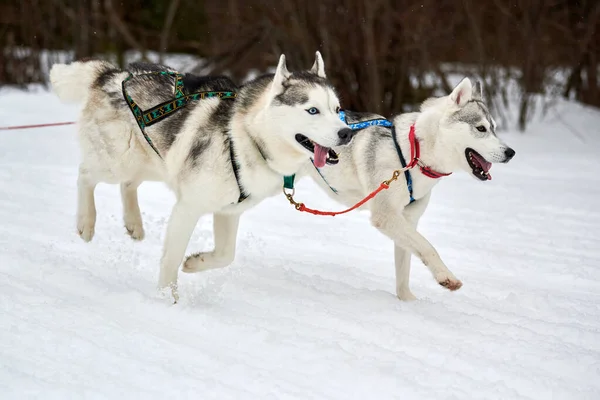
450, 133
221, 148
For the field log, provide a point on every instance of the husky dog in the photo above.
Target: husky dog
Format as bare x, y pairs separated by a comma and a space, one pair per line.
454, 132
219, 156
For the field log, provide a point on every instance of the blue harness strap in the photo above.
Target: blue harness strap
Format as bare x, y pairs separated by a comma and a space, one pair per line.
403, 162
365, 124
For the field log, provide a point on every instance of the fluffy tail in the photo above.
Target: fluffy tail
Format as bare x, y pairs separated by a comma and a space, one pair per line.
72, 82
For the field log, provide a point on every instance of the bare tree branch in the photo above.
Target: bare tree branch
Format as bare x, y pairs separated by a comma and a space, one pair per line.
121, 27
164, 37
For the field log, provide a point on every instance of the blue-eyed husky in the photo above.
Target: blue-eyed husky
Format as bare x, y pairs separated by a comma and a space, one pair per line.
219, 147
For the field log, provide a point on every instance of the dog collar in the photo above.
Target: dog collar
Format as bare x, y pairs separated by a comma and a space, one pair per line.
415, 152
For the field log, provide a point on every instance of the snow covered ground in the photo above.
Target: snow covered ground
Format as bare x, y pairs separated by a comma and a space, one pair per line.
307, 310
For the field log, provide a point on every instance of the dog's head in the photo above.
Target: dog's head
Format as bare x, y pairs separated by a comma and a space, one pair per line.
468, 130
304, 107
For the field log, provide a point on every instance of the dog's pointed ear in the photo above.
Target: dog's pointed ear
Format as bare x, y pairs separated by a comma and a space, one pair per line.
462, 93
318, 67
281, 75
478, 90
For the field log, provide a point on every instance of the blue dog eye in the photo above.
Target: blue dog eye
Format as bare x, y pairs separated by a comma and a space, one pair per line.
313, 111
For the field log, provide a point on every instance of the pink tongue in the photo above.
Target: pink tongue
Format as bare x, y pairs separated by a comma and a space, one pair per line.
485, 165
320, 155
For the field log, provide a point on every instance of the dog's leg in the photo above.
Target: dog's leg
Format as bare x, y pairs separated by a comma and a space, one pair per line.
86, 206
131, 210
402, 261
225, 231
181, 224
398, 228
402, 256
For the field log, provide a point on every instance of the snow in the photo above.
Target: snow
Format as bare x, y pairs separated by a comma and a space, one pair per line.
307, 310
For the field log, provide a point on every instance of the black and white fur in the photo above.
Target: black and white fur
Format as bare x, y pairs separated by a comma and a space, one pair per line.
261, 124
446, 127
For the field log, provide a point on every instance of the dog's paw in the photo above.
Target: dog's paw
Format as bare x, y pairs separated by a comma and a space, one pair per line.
450, 283
204, 261
169, 293
195, 263
135, 230
85, 229
406, 295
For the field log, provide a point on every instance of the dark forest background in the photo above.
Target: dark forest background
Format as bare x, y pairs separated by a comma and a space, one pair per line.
384, 56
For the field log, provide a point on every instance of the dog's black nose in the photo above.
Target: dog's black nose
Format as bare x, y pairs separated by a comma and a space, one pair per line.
345, 136
509, 154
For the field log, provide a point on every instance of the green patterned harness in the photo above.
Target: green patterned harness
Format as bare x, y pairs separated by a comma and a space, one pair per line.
157, 113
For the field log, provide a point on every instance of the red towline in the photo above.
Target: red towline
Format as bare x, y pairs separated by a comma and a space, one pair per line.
9, 128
